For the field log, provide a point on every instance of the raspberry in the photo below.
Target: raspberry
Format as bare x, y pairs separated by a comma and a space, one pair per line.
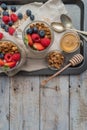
16, 57
1, 35
5, 19
8, 57
14, 17
35, 37
45, 42
11, 30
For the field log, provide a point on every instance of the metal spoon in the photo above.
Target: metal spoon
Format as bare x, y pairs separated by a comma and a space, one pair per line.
67, 22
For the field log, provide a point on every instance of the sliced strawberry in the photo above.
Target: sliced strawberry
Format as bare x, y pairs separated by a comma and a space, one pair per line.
8, 57
1, 62
35, 37
16, 57
38, 46
45, 42
10, 64
30, 41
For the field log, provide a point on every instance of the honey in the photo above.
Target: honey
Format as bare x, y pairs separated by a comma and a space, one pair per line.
70, 42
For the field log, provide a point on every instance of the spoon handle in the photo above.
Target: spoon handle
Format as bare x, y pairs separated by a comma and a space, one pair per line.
82, 32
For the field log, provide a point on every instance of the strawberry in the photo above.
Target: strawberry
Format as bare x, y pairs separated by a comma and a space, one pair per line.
11, 30
30, 42
16, 57
1, 62
14, 17
38, 46
8, 57
35, 37
1, 35
5, 19
10, 64
45, 42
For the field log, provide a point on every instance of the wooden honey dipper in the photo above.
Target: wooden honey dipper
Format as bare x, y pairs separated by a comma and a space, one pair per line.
75, 60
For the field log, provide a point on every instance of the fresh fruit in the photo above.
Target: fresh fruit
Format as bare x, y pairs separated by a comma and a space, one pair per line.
11, 30
1, 62
1, 35
6, 28
14, 17
4, 6
28, 12
35, 37
38, 46
30, 42
10, 64
13, 8
29, 31
5, 19
1, 55
45, 42
16, 57
3, 25
10, 23
42, 33
8, 57
5, 13
20, 16
32, 17
35, 30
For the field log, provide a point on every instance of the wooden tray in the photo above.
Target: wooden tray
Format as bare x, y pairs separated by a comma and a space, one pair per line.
76, 10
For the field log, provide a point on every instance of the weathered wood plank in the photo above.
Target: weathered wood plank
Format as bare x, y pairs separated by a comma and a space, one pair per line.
4, 103
78, 102
24, 103
54, 105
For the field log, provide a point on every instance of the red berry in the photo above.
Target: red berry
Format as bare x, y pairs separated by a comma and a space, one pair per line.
8, 57
35, 37
1, 35
16, 57
11, 30
14, 17
45, 42
1, 62
5, 19
38, 46
10, 64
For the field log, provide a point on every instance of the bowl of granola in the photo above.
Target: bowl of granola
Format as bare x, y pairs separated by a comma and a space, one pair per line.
38, 37
10, 55
55, 60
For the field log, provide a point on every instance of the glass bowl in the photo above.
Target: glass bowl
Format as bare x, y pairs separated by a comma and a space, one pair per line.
12, 57
55, 59
40, 40
70, 42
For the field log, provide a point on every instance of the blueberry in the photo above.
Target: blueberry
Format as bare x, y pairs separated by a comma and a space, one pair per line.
6, 28
28, 12
32, 17
5, 13
42, 33
13, 8
4, 6
1, 55
3, 25
10, 23
35, 30
29, 31
20, 15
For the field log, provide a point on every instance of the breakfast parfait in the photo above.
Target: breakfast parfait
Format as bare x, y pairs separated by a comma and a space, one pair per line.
9, 55
38, 36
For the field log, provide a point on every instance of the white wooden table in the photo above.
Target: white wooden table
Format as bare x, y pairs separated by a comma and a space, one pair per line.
24, 105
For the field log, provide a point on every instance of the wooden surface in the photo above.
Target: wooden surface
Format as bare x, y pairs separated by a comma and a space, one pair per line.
62, 105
